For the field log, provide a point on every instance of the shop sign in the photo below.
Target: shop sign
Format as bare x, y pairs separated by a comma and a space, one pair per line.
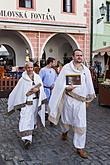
27, 15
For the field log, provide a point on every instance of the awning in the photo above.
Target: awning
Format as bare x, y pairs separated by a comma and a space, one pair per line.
102, 51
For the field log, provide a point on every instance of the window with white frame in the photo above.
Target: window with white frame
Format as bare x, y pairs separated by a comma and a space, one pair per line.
108, 11
26, 3
68, 6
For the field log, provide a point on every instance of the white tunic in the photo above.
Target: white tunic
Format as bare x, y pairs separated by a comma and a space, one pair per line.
72, 105
29, 105
74, 108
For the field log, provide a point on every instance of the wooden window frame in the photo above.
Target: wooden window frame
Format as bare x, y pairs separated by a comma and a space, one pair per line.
73, 7
26, 8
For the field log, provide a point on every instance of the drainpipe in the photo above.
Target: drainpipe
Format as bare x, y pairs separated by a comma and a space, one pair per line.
85, 48
39, 46
91, 34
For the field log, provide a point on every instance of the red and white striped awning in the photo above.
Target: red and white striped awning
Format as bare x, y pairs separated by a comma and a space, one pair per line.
102, 51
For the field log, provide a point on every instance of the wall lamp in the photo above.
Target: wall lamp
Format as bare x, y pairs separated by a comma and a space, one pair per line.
102, 13
27, 55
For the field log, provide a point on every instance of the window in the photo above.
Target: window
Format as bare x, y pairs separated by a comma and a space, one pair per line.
25, 3
108, 11
68, 6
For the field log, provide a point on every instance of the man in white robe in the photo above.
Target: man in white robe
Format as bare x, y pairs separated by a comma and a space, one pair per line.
69, 101
29, 96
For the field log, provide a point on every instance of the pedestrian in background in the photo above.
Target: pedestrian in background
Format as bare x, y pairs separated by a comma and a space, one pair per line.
69, 101
59, 67
48, 76
29, 96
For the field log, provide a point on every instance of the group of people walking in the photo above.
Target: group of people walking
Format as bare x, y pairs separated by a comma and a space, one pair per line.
49, 93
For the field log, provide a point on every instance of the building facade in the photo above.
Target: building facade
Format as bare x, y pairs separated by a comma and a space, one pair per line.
101, 29
34, 27
101, 33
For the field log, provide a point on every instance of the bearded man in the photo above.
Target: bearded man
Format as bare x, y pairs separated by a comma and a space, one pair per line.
72, 91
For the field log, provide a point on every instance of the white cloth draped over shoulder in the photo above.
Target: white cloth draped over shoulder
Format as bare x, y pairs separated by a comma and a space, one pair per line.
84, 92
18, 99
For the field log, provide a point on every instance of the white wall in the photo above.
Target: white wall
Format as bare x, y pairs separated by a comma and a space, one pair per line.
55, 9
98, 28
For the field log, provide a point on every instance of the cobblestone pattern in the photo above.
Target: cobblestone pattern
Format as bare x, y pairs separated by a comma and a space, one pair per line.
48, 148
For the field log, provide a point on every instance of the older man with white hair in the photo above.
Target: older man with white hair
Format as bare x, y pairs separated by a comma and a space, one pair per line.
28, 95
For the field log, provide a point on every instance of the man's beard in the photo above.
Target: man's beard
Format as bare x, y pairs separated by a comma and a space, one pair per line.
78, 62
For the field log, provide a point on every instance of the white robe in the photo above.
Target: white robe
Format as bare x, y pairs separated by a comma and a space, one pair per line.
18, 99
72, 109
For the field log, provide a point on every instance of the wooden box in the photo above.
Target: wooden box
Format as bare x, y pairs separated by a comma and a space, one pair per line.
104, 94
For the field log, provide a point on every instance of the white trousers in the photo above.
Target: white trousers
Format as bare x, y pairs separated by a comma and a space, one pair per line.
74, 114
78, 139
28, 118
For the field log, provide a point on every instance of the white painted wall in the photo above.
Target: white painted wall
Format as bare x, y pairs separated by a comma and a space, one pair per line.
55, 9
101, 31
98, 28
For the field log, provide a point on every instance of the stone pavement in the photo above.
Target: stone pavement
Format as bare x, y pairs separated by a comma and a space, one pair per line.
48, 148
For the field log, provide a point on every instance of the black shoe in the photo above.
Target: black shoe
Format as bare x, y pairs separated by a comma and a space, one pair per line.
46, 116
27, 144
51, 124
64, 136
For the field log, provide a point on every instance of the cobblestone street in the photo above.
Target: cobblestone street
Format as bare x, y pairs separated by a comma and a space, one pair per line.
48, 148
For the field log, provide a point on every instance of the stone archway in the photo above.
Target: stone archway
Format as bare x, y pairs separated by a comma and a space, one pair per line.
7, 55
15, 42
59, 46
